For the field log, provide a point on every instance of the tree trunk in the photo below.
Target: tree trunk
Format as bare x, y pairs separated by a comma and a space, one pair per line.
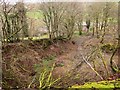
80, 28
97, 27
119, 35
104, 31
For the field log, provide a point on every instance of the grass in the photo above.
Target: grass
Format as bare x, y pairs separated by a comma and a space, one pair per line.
76, 33
34, 38
44, 73
41, 37
35, 14
37, 38
45, 78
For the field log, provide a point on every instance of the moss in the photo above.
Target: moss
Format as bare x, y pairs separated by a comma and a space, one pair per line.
108, 48
103, 85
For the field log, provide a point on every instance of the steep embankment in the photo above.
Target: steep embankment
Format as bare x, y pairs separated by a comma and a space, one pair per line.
87, 63
19, 60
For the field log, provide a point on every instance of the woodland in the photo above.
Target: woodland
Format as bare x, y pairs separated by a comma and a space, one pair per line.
60, 45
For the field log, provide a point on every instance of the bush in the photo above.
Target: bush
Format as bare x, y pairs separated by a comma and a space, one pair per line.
108, 48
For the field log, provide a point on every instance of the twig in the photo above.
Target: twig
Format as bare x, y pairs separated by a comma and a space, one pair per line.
92, 67
104, 63
23, 68
16, 32
32, 82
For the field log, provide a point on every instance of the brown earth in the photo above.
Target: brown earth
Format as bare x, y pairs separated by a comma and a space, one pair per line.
76, 71
19, 60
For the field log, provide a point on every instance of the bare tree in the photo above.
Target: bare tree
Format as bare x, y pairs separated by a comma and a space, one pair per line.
52, 13
106, 14
13, 22
6, 21
74, 18
94, 12
119, 37
70, 19
61, 19
22, 19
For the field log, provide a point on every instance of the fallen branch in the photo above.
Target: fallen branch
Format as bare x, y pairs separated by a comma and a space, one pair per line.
91, 67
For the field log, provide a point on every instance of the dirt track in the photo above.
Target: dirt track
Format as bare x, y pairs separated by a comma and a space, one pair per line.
75, 66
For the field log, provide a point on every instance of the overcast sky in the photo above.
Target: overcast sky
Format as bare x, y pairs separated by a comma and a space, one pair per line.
28, 1
34, 1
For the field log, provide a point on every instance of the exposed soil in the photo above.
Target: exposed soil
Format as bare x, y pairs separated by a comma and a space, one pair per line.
76, 70
19, 60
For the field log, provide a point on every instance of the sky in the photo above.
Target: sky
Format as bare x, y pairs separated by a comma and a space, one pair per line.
27, 1
35, 1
